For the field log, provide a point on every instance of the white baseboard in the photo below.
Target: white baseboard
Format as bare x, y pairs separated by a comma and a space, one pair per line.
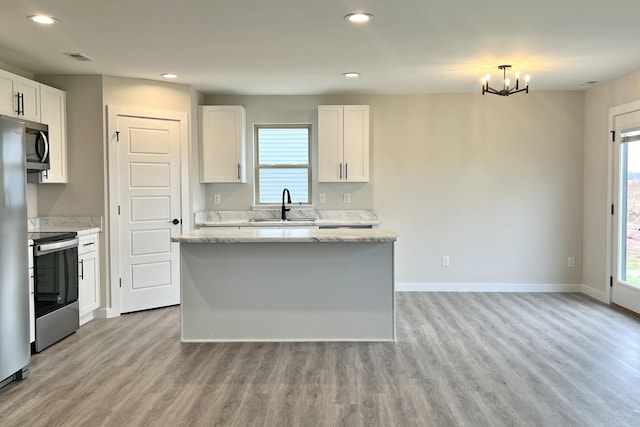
595, 294
487, 287
86, 318
106, 313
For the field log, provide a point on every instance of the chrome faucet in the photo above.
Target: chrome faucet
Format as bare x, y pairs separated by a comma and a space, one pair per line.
283, 216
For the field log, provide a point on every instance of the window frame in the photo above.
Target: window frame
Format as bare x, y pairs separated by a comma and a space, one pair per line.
257, 167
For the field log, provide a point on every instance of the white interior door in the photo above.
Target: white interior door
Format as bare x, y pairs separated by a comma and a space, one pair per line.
626, 283
149, 206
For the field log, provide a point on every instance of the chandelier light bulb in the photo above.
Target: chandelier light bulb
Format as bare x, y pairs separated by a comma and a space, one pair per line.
527, 78
517, 74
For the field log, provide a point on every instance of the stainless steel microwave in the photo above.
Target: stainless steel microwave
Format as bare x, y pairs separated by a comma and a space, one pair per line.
36, 146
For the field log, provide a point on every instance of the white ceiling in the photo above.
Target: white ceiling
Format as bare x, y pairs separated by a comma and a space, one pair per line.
304, 46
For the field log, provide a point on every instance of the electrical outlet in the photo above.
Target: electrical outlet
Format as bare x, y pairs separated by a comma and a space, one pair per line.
216, 199
571, 262
346, 197
445, 260
322, 198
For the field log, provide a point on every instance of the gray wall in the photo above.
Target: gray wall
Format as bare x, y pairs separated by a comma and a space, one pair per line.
83, 195
494, 183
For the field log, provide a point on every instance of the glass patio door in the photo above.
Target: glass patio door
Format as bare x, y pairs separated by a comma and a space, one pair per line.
626, 281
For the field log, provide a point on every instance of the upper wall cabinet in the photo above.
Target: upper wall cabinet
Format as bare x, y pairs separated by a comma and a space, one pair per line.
343, 143
19, 97
53, 113
222, 143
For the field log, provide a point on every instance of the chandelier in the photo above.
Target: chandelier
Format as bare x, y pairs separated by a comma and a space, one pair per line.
506, 83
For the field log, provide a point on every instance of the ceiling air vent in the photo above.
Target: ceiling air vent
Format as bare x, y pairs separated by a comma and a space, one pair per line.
79, 57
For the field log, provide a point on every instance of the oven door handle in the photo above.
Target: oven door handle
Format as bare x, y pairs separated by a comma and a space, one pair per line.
47, 248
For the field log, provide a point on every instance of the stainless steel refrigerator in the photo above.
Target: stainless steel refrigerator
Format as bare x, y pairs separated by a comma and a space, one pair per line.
14, 285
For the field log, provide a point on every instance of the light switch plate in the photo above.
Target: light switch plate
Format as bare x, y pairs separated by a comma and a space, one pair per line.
216, 199
346, 197
322, 198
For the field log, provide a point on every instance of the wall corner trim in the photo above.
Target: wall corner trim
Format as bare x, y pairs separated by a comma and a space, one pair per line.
595, 294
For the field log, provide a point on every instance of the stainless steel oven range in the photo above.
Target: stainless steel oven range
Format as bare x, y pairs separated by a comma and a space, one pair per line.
55, 266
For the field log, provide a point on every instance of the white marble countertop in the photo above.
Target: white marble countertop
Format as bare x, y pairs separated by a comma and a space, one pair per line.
80, 225
292, 235
79, 230
298, 222
296, 218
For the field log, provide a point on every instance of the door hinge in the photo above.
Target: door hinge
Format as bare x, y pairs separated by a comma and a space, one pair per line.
120, 280
117, 136
611, 281
613, 136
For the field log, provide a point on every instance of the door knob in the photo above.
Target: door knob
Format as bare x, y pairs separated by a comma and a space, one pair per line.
176, 221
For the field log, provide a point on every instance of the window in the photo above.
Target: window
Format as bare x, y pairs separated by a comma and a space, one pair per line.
282, 161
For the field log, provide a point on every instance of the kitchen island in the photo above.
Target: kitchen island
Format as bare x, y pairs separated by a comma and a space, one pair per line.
265, 284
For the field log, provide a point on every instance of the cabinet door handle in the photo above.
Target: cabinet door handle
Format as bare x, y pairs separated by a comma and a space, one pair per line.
346, 171
18, 103
340, 171
22, 102
238, 171
81, 269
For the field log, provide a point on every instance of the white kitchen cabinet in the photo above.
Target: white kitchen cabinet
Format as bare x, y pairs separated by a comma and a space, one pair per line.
32, 296
222, 143
343, 143
89, 276
19, 97
54, 114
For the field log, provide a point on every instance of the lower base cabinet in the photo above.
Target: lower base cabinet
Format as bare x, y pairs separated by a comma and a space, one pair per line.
89, 276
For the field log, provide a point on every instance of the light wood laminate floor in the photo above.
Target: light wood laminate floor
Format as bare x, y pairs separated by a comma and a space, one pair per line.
461, 359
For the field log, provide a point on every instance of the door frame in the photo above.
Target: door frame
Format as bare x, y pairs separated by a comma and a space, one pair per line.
612, 196
112, 225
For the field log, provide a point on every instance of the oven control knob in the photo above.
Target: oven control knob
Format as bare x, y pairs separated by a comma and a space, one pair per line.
176, 221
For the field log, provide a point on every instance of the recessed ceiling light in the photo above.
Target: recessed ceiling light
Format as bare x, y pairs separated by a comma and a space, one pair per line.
351, 74
359, 17
42, 19
170, 76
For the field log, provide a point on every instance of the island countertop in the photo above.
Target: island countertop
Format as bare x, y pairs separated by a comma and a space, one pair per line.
292, 235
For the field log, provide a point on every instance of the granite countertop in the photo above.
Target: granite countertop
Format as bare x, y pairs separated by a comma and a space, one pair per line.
79, 225
297, 222
79, 230
293, 235
295, 218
